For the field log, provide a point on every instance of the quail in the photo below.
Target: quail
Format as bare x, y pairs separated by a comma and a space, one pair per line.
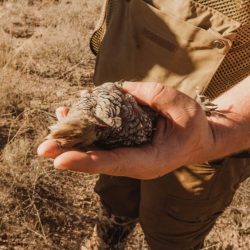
105, 117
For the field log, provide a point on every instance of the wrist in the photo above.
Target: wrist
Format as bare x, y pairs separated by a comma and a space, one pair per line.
231, 135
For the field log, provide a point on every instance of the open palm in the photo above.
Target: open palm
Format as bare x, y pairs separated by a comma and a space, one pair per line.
184, 135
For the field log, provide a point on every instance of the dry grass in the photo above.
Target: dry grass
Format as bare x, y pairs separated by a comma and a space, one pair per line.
44, 60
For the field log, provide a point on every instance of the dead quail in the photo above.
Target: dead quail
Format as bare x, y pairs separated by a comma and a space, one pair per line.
105, 117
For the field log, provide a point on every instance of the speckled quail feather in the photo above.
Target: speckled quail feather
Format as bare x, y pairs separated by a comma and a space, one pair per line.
106, 117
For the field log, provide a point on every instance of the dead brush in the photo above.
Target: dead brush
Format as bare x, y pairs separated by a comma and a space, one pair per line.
35, 196
6, 51
13, 99
39, 202
40, 208
232, 229
59, 45
56, 46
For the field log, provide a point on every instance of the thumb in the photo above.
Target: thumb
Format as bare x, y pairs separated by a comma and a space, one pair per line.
153, 94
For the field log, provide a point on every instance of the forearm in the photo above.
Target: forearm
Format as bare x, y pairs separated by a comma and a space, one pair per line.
232, 129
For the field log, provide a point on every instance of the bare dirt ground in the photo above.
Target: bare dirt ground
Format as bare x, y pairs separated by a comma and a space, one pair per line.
44, 61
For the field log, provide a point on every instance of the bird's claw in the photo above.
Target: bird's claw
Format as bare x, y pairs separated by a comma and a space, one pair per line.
209, 107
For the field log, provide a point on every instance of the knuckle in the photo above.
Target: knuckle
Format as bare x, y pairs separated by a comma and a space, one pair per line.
157, 93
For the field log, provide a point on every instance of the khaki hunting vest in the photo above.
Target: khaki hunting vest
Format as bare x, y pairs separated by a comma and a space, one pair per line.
182, 43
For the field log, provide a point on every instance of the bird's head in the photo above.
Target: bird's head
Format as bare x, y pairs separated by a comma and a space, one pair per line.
74, 132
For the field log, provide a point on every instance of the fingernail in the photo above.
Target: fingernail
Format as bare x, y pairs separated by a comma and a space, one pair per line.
40, 150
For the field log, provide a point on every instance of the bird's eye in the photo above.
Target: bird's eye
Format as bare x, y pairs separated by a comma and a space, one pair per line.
102, 126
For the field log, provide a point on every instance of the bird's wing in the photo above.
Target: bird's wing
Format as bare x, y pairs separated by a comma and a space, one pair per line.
108, 105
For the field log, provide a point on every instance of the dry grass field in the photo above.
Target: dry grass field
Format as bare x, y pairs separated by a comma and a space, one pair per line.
44, 61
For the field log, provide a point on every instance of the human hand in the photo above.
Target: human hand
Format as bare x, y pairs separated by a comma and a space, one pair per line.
184, 135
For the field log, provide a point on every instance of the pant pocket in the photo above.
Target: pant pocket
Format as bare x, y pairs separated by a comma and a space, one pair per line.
146, 42
232, 171
179, 209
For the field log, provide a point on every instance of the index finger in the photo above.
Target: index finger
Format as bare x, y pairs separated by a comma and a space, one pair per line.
50, 149
131, 162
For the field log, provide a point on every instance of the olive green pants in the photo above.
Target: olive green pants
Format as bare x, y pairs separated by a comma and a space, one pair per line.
178, 210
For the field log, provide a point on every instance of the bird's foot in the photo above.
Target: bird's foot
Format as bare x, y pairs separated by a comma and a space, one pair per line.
209, 107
